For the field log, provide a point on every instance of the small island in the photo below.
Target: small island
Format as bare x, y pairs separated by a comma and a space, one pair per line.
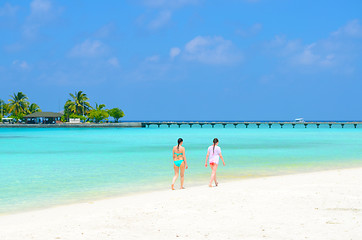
19, 111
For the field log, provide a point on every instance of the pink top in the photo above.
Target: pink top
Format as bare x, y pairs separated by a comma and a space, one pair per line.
214, 154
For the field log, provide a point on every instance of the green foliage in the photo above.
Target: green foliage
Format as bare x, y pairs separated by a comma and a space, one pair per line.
19, 116
64, 118
18, 105
98, 114
78, 104
34, 108
4, 108
116, 113
82, 118
100, 106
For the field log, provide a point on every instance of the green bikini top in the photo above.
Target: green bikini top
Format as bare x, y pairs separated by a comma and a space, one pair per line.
178, 154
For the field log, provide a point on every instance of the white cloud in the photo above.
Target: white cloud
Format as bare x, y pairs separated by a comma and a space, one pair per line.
21, 64
211, 50
8, 10
164, 10
113, 61
296, 53
338, 52
352, 29
40, 7
307, 56
88, 48
105, 31
41, 13
161, 20
154, 58
250, 31
174, 52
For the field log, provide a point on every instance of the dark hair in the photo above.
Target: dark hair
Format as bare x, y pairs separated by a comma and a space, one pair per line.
180, 140
214, 142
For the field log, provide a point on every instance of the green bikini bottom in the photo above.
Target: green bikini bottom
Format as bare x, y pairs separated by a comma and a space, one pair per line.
178, 162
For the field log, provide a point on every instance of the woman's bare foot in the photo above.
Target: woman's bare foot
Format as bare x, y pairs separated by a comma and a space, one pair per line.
210, 185
182, 187
172, 187
216, 184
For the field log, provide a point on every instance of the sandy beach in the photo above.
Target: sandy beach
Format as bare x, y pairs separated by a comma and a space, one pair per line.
319, 205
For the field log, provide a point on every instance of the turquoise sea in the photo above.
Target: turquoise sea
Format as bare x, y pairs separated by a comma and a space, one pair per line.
45, 167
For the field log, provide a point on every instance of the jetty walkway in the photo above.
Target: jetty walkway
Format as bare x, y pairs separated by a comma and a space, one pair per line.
140, 124
258, 124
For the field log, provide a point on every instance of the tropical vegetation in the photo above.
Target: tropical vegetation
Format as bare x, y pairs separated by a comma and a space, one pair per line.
98, 113
116, 113
34, 108
77, 106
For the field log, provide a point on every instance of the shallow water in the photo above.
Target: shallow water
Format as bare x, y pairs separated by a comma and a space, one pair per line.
46, 167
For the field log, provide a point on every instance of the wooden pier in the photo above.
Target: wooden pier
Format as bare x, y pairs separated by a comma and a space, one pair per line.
257, 124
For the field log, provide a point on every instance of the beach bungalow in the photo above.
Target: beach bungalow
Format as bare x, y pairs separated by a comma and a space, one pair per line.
43, 118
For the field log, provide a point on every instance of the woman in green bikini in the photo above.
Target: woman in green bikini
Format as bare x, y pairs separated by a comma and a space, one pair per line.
179, 162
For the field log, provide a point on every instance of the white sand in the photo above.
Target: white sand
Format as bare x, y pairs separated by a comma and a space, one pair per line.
322, 205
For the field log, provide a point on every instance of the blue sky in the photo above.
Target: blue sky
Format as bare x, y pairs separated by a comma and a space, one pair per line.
188, 59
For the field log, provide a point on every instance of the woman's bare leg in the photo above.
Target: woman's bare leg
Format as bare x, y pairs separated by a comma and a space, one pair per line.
182, 174
175, 177
213, 174
216, 183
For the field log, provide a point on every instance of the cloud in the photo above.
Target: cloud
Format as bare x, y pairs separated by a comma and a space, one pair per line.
40, 7
174, 52
161, 20
251, 31
105, 31
8, 10
23, 65
113, 61
351, 29
337, 52
162, 11
88, 48
211, 50
154, 58
41, 13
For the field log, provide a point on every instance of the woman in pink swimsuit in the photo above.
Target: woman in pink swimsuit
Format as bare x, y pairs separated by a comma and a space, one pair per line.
213, 154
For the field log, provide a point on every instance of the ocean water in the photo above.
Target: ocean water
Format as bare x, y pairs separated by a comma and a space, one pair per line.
45, 167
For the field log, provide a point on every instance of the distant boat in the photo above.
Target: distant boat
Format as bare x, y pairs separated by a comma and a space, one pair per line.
299, 120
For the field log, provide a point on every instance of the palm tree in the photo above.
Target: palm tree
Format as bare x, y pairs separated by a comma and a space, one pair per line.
34, 108
18, 104
100, 106
98, 113
78, 104
3, 108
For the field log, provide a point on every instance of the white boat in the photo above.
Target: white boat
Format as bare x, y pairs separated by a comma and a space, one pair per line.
299, 120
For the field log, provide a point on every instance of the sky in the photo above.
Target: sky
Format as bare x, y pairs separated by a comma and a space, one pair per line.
187, 59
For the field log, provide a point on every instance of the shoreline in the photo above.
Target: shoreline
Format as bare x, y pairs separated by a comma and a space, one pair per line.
278, 207
225, 179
